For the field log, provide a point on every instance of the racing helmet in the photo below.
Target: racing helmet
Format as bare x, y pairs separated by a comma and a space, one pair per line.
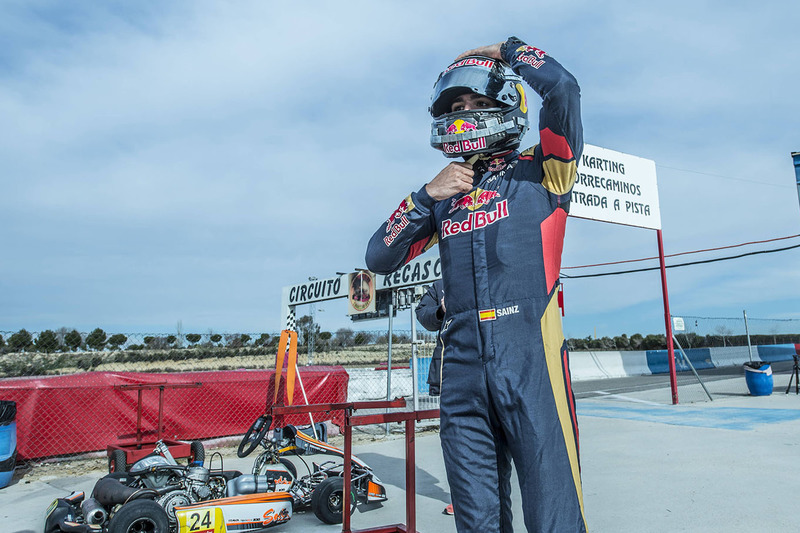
478, 131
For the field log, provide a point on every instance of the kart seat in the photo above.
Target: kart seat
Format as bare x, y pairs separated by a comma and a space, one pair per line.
288, 432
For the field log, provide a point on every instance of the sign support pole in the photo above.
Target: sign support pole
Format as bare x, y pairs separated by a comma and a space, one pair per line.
673, 380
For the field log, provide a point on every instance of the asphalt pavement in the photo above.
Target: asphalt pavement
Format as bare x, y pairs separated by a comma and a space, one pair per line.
727, 465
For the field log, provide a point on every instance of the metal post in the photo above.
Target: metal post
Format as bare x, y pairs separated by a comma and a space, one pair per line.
312, 332
673, 379
414, 362
312, 335
689, 362
160, 411
389, 367
139, 420
347, 467
411, 481
305, 398
747, 331
389, 361
796, 161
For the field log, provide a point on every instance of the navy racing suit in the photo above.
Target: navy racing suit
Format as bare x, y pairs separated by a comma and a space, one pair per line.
505, 386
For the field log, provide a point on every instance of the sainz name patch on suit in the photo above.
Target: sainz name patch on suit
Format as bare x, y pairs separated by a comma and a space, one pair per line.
475, 220
494, 314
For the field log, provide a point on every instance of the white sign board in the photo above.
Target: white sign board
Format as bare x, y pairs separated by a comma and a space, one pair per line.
317, 290
426, 268
678, 324
617, 188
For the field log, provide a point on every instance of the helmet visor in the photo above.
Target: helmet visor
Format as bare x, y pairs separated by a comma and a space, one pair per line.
472, 74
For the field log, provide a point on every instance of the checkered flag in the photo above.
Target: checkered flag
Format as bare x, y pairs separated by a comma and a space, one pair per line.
290, 322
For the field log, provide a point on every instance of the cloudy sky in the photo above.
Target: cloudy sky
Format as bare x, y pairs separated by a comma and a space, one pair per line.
183, 161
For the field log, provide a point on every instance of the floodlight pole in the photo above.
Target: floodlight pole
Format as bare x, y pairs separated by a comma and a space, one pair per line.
796, 161
673, 380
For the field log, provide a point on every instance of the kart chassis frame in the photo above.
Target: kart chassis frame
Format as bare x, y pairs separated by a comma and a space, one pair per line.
408, 417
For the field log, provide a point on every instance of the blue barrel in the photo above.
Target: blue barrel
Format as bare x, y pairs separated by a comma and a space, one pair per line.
423, 366
8, 441
758, 376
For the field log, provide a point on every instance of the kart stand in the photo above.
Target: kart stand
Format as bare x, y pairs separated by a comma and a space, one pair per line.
142, 447
795, 375
409, 417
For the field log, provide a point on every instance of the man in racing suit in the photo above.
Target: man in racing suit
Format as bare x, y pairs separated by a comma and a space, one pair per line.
505, 391
430, 313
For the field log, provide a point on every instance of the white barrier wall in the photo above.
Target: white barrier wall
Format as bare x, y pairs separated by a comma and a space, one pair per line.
596, 365
370, 384
732, 355
600, 365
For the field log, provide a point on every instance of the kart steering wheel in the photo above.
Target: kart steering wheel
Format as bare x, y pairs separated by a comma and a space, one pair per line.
255, 434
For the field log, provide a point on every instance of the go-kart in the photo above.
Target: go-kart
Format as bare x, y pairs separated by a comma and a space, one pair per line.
323, 488
157, 495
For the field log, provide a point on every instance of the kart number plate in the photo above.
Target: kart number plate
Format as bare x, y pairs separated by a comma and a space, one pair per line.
202, 520
51, 508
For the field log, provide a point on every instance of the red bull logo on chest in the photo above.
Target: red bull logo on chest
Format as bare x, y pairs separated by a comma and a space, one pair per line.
475, 221
472, 201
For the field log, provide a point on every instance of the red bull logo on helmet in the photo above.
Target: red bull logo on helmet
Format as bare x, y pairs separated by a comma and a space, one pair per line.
471, 62
473, 200
461, 126
464, 146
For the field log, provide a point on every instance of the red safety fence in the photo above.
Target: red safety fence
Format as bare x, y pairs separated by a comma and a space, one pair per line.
76, 413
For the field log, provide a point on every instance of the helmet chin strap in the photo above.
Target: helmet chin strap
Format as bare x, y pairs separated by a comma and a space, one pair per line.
475, 157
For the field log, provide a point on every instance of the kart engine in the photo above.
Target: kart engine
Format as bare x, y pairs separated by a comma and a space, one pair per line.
180, 487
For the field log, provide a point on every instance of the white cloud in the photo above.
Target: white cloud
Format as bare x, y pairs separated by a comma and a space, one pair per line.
160, 148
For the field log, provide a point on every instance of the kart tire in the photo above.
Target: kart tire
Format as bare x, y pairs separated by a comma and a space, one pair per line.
328, 498
139, 516
289, 466
198, 452
118, 461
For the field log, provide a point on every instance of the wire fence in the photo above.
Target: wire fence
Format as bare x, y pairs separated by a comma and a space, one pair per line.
80, 392
725, 343
210, 385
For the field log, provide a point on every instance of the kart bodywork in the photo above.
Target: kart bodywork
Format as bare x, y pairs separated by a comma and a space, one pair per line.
240, 513
158, 495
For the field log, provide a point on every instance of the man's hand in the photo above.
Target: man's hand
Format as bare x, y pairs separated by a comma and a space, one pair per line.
453, 179
493, 51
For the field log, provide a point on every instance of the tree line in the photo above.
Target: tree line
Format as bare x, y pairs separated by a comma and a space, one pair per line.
70, 340
686, 341
311, 337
